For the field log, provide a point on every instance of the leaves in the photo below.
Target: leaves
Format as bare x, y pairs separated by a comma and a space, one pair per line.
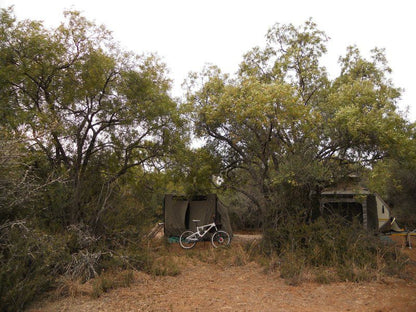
283, 126
80, 100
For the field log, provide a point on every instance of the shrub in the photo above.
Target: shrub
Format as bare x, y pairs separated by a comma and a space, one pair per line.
355, 254
84, 265
30, 260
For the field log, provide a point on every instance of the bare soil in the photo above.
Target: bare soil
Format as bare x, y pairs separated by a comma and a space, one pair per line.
213, 286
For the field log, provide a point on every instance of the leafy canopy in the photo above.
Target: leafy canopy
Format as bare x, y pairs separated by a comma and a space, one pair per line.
283, 128
80, 103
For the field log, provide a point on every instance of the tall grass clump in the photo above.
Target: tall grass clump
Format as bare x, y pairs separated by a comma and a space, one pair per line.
328, 245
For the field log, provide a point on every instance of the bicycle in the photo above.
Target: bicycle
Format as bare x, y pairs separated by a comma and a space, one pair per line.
188, 239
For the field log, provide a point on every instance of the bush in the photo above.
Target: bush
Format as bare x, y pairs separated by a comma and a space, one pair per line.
355, 254
30, 260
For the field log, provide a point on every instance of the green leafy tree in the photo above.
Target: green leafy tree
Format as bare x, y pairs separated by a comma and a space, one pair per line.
88, 110
284, 130
395, 179
193, 171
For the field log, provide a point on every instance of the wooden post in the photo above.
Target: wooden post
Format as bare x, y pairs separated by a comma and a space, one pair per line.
408, 240
364, 204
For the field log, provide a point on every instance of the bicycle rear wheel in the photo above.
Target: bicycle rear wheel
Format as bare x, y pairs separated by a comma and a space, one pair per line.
220, 239
187, 240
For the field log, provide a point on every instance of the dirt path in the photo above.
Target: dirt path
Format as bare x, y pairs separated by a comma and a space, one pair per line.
205, 286
246, 288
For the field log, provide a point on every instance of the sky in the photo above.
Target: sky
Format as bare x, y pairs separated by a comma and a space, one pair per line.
187, 34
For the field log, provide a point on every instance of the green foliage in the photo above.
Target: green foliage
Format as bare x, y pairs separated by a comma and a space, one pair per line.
30, 260
91, 140
284, 130
86, 129
119, 116
395, 179
192, 171
355, 254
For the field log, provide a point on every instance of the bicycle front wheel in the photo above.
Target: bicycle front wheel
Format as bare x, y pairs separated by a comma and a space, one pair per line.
187, 240
220, 239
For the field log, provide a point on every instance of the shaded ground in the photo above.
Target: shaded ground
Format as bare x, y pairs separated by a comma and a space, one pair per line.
214, 286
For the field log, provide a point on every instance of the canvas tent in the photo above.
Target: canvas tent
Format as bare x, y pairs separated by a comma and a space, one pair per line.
179, 212
357, 202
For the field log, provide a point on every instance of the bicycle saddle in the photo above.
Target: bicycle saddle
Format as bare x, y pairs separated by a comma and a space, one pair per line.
196, 220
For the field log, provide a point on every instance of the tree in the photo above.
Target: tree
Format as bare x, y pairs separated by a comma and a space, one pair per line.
193, 171
395, 179
87, 110
284, 130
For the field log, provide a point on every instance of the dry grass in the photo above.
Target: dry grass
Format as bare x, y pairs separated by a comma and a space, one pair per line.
69, 287
220, 285
239, 278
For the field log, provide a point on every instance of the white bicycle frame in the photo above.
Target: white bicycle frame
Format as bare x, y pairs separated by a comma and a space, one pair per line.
204, 229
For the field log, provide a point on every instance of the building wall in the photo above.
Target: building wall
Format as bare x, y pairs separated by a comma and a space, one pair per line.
383, 211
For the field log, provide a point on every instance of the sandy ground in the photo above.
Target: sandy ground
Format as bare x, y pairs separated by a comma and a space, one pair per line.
205, 286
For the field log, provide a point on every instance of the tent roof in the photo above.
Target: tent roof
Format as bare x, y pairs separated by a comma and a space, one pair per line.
346, 191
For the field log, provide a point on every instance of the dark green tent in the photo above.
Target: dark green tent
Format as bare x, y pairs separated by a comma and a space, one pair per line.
179, 212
